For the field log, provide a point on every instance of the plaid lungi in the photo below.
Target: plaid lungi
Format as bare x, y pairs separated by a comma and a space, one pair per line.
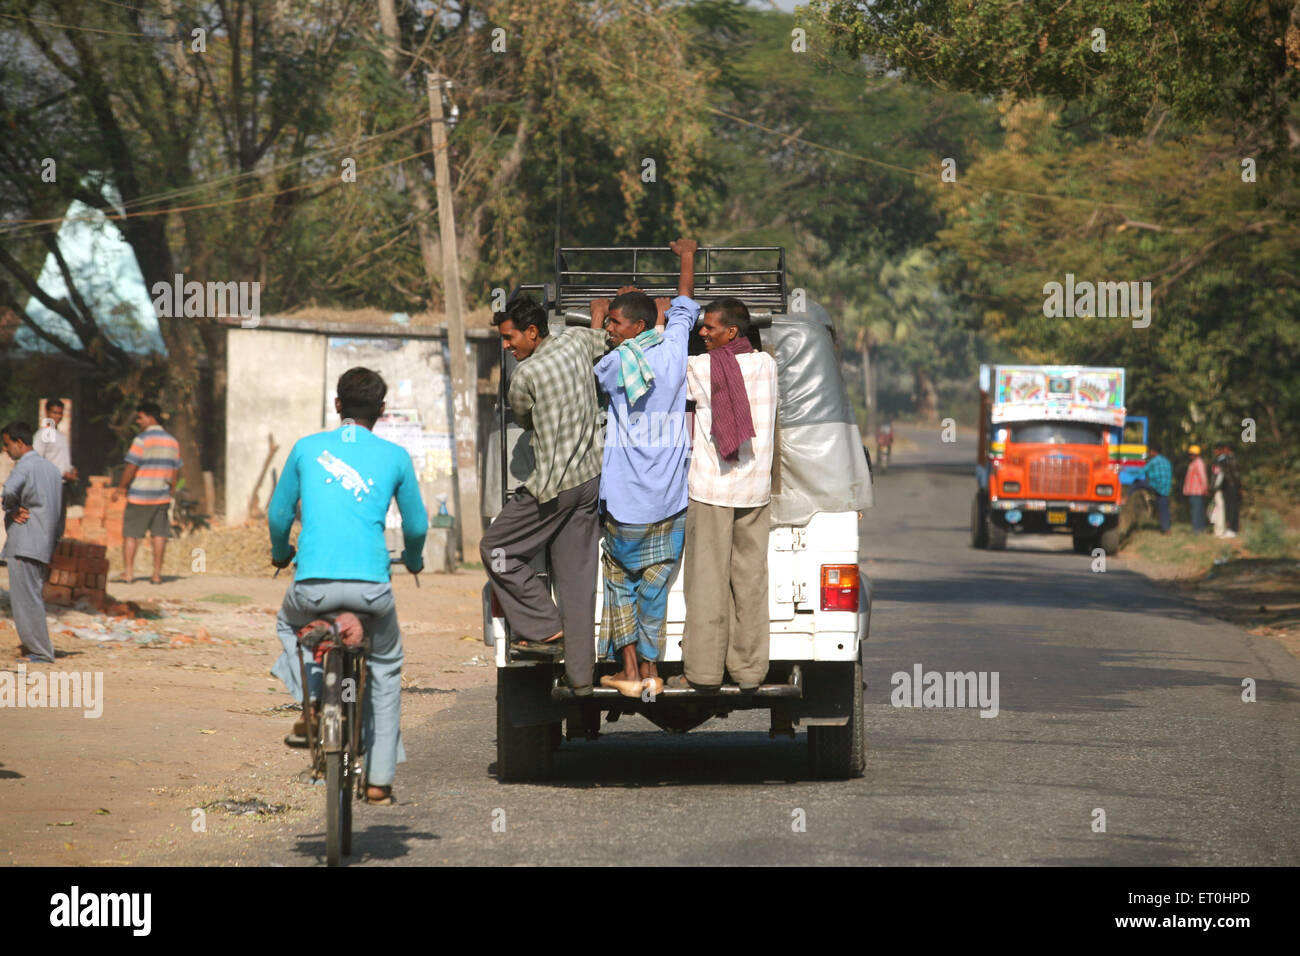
638, 561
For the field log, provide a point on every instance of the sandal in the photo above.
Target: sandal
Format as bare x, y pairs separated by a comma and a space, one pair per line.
379, 796
679, 682
553, 648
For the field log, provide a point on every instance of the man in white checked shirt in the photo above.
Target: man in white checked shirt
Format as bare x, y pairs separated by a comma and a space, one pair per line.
727, 517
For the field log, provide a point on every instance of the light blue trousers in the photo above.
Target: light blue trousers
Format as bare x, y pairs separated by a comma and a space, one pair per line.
381, 722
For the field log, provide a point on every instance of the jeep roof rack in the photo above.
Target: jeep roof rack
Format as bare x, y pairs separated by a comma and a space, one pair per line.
583, 273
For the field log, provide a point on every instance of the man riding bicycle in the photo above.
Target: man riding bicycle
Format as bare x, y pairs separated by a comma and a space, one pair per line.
345, 479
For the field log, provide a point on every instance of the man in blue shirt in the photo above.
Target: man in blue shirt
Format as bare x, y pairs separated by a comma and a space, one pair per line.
1158, 475
643, 479
344, 479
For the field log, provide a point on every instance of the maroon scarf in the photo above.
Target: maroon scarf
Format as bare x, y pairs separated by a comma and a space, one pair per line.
732, 423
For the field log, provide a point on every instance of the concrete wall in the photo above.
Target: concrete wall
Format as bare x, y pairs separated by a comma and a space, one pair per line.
273, 387
419, 385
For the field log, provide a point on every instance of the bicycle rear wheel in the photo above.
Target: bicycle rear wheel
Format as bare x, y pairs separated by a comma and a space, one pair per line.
336, 796
349, 782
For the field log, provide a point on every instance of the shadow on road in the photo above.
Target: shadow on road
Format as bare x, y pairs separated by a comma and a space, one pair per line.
653, 758
380, 843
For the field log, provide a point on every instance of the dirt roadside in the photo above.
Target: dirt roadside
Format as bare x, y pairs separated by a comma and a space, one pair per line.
1225, 579
192, 719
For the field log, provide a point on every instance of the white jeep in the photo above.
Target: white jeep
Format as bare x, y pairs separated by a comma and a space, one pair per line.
819, 597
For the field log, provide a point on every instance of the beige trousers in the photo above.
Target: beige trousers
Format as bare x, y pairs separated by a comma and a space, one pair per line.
727, 623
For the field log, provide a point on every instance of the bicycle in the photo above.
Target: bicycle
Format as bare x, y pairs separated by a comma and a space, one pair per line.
336, 751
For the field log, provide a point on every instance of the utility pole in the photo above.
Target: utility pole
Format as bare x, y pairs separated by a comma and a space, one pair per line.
464, 382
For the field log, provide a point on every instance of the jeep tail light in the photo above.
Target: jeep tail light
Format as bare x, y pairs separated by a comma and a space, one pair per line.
496, 605
839, 587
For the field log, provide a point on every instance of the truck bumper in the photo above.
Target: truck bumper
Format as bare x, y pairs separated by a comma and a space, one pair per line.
1039, 516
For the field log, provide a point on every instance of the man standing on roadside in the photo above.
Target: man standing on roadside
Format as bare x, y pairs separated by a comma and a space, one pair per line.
553, 393
1196, 485
32, 502
1159, 477
152, 466
51, 444
1225, 466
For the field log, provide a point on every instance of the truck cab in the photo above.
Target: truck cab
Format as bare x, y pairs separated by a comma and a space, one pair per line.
1047, 461
819, 596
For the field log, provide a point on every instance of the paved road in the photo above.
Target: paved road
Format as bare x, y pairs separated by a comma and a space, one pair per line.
1113, 695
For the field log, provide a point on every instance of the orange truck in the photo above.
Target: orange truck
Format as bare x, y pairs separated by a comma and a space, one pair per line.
1045, 463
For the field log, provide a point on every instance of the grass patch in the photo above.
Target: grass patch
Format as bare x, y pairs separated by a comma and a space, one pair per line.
1189, 553
226, 599
1266, 535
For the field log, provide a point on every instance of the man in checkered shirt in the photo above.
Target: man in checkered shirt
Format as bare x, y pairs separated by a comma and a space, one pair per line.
553, 393
734, 388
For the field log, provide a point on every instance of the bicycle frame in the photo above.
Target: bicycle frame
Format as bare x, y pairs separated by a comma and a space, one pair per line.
339, 663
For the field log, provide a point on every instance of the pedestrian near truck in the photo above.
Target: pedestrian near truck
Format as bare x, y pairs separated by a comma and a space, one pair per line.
153, 465
32, 499
1158, 476
1196, 485
1227, 481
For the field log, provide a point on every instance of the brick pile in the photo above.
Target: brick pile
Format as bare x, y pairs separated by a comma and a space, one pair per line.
101, 522
78, 571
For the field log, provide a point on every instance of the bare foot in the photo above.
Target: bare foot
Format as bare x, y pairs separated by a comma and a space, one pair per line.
623, 675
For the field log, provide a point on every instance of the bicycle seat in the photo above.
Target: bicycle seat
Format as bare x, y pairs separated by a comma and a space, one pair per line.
328, 626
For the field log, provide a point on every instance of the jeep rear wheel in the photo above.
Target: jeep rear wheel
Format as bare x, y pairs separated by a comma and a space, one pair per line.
838, 753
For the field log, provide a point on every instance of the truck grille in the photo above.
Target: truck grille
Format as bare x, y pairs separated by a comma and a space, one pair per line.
1058, 475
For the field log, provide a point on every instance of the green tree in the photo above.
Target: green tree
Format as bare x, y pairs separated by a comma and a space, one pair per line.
1167, 157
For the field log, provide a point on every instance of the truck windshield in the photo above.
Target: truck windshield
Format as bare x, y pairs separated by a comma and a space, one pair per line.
1056, 433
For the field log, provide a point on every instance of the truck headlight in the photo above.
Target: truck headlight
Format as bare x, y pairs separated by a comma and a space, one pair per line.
1105, 491
1011, 487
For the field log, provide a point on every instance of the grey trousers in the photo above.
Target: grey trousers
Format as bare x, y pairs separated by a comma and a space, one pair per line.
727, 621
26, 584
570, 526
381, 721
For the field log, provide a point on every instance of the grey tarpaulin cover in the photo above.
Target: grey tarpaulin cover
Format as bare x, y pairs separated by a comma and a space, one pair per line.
822, 467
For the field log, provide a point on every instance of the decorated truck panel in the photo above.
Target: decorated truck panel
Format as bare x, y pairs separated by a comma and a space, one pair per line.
1048, 454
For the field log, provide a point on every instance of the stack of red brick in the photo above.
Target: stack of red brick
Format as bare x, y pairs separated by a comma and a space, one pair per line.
102, 520
78, 571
